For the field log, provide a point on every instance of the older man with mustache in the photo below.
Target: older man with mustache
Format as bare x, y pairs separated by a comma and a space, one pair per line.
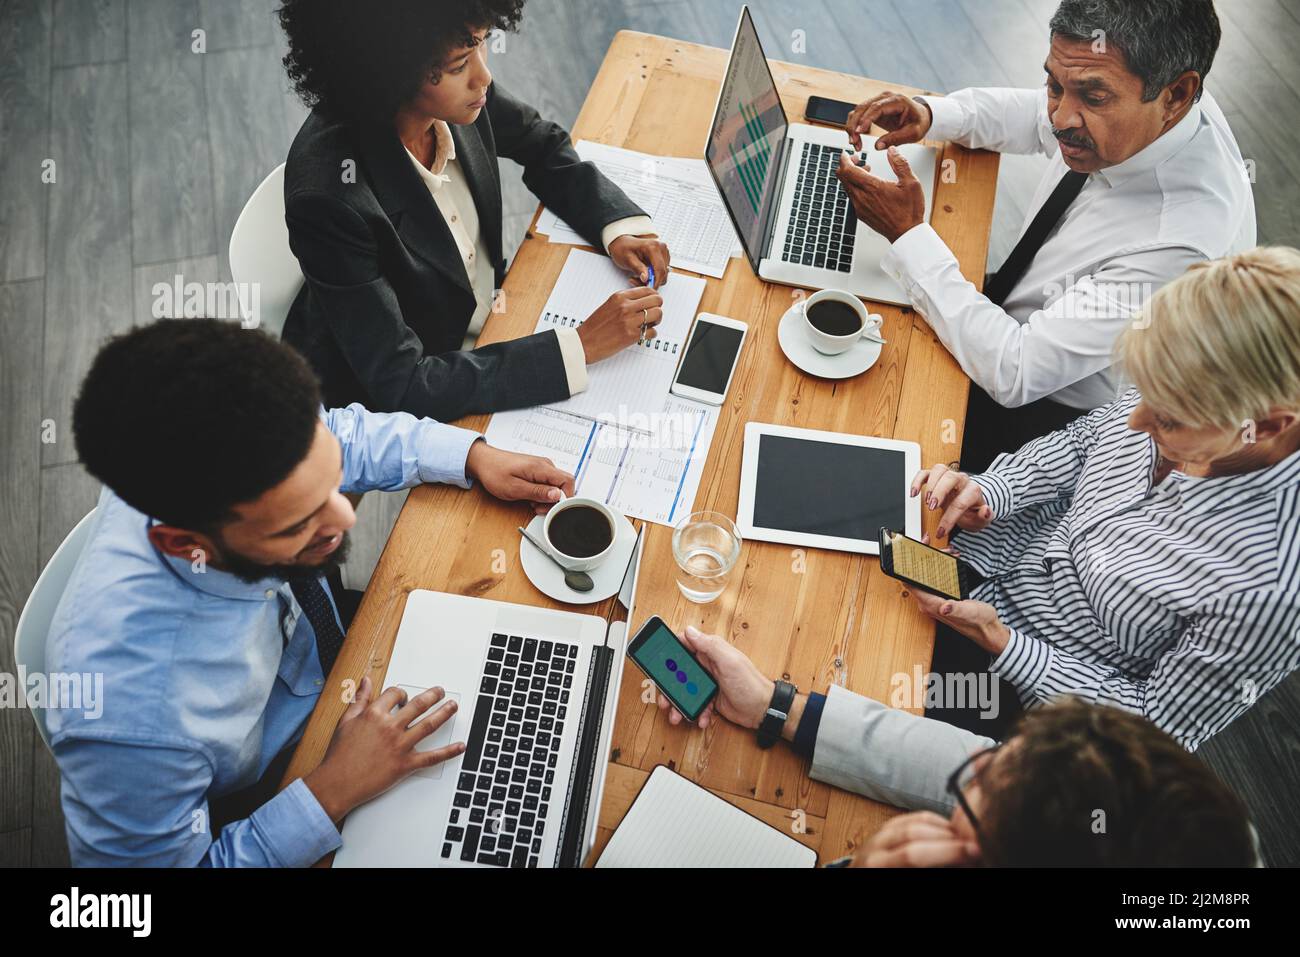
1145, 180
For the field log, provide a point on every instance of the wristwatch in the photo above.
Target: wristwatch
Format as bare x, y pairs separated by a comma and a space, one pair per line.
769, 729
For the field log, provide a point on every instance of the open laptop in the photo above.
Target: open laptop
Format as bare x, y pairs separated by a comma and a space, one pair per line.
536, 691
777, 181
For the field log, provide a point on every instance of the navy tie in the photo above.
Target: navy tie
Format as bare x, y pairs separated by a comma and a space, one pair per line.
1017, 264
320, 612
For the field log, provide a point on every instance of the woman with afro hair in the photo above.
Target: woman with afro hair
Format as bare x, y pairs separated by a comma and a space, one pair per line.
393, 203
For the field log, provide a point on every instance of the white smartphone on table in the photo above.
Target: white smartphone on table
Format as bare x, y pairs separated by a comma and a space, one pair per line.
712, 353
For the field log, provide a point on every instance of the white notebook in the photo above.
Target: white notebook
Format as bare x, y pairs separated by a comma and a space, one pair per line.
635, 381
676, 823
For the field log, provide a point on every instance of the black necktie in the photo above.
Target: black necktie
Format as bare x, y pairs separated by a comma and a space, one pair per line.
1017, 264
316, 606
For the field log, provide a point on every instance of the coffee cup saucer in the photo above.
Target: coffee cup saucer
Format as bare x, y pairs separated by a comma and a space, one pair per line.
548, 578
794, 343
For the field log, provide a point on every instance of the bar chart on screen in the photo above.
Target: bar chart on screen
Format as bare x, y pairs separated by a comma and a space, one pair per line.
745, 146
751, 158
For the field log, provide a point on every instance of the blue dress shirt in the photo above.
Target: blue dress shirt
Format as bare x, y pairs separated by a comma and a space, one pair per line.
206, 677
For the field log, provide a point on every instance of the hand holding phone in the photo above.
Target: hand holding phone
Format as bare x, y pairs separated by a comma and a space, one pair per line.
674, 669
743, 692
922, 566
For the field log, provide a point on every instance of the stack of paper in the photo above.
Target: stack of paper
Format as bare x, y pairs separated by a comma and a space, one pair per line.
678, 194
652, 475
626, 439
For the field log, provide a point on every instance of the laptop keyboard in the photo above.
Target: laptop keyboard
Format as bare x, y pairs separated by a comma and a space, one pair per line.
498, 815
822, 225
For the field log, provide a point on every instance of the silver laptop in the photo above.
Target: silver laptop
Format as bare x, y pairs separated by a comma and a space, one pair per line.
778, 182
536, 690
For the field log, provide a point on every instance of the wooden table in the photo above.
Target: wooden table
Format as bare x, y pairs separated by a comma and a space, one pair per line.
815, 617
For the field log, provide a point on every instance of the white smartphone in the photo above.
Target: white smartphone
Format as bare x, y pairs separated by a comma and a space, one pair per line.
712, 354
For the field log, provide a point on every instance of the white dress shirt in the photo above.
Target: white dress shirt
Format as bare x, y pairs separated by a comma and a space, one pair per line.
450, 190
1136, 226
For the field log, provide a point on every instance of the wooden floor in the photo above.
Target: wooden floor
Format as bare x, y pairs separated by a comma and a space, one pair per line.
156, 148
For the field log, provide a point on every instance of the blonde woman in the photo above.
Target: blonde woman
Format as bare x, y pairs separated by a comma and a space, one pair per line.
1148, 556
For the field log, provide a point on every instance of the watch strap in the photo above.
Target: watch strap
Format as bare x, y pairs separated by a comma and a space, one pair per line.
778, 711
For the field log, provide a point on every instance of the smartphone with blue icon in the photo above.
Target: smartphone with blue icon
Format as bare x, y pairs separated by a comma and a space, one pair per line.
662, 657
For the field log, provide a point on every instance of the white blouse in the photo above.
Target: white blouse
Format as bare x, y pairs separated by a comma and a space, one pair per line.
450, 190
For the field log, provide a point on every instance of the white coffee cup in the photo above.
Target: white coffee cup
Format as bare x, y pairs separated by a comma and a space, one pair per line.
836, 345
570, 562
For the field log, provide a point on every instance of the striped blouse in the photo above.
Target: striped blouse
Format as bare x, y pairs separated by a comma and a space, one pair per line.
1178, 601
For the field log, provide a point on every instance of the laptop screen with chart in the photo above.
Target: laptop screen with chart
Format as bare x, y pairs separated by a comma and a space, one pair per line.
745, 144
780, 183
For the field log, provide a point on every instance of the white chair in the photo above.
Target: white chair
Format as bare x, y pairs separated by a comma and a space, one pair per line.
260, 253
34, 622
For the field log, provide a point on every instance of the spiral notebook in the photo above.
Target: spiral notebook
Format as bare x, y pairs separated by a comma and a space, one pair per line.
676, 823
635, 382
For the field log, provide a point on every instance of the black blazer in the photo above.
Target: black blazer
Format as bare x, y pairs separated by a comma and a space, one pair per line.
387, 301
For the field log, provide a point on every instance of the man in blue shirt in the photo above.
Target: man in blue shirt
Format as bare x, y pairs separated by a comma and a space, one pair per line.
201, 598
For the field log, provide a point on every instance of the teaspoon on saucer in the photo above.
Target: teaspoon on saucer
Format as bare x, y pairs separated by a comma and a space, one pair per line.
578, 581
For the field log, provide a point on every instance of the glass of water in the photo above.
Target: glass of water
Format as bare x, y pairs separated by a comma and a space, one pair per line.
706, 546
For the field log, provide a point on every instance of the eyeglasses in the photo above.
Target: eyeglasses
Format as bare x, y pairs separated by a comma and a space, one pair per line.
966, 773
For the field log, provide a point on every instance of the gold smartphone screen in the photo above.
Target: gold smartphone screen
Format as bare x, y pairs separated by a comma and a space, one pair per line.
926, 566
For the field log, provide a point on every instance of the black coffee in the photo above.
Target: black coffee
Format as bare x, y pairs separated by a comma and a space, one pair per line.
835, 318
581, 531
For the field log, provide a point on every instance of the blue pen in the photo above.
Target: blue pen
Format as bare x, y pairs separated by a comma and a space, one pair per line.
651, 271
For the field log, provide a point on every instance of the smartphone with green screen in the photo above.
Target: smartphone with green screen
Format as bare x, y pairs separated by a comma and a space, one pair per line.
660, 654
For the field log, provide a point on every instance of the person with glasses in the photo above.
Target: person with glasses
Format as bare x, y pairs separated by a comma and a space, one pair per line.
394, 208
1076, 784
